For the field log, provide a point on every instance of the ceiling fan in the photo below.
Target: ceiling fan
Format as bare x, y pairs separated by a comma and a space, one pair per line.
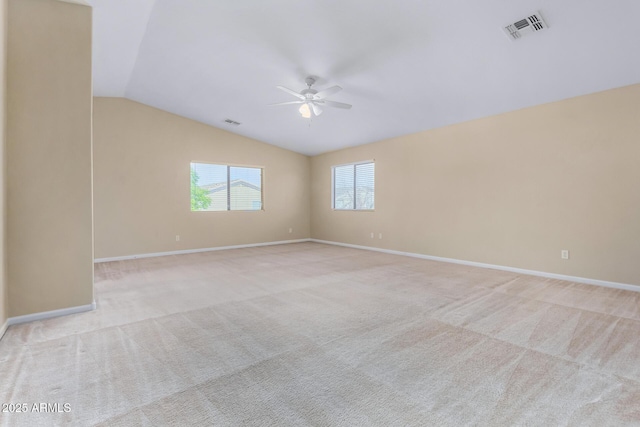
311, 100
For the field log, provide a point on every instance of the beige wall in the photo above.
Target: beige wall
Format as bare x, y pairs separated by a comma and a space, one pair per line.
511, 190
4, 291
49, 228
142, 184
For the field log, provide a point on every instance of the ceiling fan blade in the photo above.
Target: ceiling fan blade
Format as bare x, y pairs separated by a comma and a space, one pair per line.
335, 104
285, 103
316, 110
291, 92
327, 92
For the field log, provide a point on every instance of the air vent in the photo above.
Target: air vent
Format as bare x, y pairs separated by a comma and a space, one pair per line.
529, 25
231, 122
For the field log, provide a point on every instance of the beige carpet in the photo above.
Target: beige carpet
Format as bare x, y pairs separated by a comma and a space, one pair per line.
311, 334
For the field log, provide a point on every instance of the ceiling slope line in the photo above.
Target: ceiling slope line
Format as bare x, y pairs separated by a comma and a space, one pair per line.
137, 56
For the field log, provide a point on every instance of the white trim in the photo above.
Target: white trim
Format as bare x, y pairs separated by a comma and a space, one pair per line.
50, 314
193, 251
586, 281
3, 328
361, 162
80, 2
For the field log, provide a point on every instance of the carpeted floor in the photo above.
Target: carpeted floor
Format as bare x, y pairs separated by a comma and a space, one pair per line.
311, 334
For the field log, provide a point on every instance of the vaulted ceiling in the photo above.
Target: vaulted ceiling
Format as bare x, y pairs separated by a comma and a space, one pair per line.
406, 66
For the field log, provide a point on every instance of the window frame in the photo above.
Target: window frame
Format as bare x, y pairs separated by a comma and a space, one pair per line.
333, 186
229, 166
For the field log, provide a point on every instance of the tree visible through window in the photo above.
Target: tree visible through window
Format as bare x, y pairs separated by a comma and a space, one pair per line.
200, 200
354, 186
223, 188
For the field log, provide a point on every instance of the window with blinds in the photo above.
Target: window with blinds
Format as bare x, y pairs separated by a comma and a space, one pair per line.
354, 186
225, 188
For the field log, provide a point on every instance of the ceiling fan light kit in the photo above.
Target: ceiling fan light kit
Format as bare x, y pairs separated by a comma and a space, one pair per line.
311, 100
305, 111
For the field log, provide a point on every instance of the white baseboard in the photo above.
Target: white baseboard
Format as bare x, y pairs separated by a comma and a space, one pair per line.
584, 280
49, 314
193, 251
3, 328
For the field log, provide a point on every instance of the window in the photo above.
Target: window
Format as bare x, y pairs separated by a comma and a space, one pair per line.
225, 188
353, 186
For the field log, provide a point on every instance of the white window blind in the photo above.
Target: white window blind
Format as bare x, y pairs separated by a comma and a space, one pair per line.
364, 185
354, 186
246, 189
223, 187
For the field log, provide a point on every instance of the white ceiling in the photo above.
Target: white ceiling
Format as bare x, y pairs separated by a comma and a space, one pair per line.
406, 66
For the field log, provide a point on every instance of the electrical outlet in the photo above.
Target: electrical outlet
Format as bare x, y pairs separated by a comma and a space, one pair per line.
564, 254
379, 235
372, 235
177, 237
290, 230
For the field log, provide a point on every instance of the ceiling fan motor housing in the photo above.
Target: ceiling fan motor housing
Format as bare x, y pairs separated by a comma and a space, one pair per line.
308, 93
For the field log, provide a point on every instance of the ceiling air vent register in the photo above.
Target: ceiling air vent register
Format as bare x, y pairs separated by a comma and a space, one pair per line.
232, 122
529, 25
